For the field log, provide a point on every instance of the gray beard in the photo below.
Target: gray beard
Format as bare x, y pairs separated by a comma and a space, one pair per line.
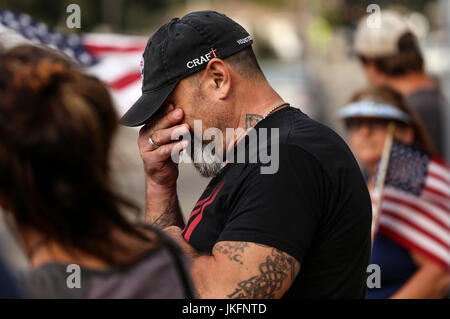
206, 163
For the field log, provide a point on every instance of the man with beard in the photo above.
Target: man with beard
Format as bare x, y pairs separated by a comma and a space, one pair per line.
251, 231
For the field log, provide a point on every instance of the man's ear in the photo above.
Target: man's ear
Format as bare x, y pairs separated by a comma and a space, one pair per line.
218, 78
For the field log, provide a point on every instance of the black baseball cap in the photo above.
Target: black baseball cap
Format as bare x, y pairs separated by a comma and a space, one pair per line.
178, 49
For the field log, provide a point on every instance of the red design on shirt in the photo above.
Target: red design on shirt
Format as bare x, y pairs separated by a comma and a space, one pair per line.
201, 207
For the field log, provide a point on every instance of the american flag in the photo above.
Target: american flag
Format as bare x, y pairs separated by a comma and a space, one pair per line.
112, 58
415, 206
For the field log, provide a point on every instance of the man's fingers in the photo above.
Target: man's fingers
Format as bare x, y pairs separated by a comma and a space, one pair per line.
143, 131
168, 117
179, 146
166, 151
168, 135
169, 108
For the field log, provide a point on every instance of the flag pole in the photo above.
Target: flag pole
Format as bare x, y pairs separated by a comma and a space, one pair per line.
381, 176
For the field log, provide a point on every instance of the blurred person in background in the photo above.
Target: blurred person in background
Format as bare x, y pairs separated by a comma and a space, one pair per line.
56, 129
390, 55
405, 272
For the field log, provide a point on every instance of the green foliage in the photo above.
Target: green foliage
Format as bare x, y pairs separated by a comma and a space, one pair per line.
135, 15
53, 12
48, 12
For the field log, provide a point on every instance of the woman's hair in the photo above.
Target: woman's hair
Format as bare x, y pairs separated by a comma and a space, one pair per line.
408, 59
56, 129
385, 94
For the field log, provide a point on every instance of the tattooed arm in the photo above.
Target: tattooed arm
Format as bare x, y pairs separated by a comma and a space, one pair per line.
164, 209
244, 270
239, 270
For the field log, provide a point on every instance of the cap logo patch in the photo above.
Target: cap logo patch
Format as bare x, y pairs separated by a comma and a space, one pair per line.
244, 40
141, 66
202, 59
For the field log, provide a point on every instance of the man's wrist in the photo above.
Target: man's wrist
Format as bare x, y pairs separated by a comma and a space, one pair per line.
162, 207
161, 189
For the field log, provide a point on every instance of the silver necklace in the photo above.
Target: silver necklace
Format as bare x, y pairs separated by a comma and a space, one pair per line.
276, 107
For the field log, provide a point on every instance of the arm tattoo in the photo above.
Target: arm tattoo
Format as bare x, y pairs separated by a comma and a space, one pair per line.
171, 216
252, 119
232, 250
273, 271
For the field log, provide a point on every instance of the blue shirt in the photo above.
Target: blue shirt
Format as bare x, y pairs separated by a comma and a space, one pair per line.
8, 287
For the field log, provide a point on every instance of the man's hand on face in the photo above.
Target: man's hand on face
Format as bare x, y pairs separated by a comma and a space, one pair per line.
159, 167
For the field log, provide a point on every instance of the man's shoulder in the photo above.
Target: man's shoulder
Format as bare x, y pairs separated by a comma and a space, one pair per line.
296, 127
427, 99
292, 137
316, 139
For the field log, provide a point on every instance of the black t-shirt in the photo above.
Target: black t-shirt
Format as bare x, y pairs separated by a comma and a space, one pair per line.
316, 207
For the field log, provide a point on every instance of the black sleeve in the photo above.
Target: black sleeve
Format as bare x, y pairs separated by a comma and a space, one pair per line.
281, 210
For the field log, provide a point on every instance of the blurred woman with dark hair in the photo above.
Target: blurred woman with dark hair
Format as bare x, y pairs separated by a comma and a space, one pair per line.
56, 129
405, 272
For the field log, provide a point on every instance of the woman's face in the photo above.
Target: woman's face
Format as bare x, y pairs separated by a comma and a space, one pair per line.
367, 137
